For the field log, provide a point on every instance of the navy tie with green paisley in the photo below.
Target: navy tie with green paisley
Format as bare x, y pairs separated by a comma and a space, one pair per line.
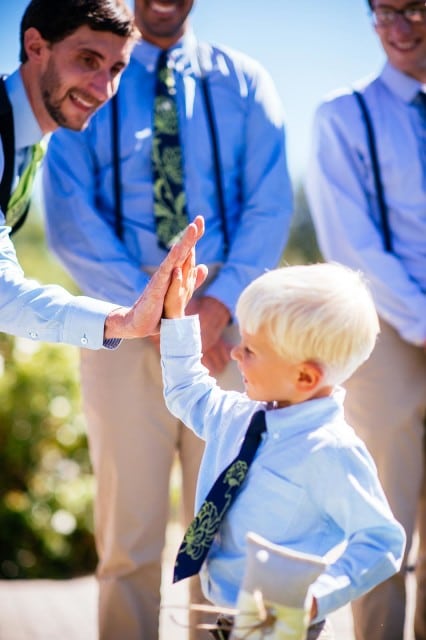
167, 163
202, 530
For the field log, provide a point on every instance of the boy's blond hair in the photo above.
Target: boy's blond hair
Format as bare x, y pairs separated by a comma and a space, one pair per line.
321, 313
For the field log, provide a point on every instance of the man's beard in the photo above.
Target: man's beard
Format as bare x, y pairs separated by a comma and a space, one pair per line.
49, 85
54, 111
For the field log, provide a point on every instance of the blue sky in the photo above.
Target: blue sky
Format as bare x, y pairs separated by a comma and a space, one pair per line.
310, 48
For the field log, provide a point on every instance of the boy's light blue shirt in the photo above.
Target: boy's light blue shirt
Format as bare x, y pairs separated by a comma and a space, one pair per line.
27, 308
312, 485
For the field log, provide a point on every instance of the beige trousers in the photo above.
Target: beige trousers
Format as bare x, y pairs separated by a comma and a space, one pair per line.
386, 404
133, 440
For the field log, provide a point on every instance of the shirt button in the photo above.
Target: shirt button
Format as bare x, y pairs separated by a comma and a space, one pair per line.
275, 436
33, 335
84, 340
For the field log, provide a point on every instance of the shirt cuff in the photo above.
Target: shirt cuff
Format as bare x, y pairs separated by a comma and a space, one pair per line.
111, 343
180, 336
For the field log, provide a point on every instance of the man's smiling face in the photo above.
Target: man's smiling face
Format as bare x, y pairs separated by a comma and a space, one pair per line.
404, 42
80, 73
162, 22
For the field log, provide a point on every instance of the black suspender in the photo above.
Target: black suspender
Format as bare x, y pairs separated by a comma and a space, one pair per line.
387, 237
214, 138
115, 123
118, 199
8, 141
7, 135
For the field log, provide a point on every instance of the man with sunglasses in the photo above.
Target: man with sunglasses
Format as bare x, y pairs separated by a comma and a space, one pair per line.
378, 224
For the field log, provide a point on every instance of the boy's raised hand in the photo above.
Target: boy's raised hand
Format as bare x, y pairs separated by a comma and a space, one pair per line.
184, 281
143, 318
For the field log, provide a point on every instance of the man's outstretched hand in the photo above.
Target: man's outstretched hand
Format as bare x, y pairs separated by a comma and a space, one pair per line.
143, 318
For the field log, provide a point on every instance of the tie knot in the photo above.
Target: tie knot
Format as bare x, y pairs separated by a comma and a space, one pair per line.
165, 78
162, 60
257, 424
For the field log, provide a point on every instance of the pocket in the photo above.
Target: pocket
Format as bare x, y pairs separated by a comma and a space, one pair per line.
270, 504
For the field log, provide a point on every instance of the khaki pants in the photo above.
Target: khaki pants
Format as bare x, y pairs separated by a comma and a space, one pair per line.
133, 440
386, 404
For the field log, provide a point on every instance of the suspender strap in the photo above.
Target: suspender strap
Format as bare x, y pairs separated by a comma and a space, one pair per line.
214, 139
387, 238
115, 124
216, 160
8, 141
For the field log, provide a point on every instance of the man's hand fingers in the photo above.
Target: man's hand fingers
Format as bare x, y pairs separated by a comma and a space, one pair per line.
179, 252
202, 272
199, 223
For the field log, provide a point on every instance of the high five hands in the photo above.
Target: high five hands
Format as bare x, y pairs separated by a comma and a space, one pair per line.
177, 273
185, 279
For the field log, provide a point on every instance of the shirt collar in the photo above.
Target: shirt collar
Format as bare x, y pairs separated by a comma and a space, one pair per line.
402, 85
305, 416
183, 53
26, 128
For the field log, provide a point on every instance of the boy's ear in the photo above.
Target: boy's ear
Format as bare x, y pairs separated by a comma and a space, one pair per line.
310, 376
34, 44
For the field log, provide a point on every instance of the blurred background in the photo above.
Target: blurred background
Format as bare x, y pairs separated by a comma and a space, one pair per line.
46, 483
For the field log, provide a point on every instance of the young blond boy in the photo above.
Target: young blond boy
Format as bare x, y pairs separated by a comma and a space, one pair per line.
312, 484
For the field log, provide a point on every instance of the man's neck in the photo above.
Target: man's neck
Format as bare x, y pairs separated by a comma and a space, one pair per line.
30, 81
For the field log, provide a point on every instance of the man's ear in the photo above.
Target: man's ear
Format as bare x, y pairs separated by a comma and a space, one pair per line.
310, 376
34, 44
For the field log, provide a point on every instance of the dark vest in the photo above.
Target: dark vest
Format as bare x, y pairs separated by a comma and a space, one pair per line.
8, 142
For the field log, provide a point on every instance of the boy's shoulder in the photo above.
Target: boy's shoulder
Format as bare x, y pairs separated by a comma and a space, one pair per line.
335, 446
334, 441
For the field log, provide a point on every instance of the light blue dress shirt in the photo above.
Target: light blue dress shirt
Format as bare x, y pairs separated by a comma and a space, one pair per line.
312, 484
27, 308
341, 194
78, 176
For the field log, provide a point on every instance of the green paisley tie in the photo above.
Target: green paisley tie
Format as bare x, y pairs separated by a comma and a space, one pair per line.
169, 194
20, 199
202, 530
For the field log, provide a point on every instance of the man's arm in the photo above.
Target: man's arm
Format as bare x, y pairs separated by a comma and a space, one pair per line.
51, 314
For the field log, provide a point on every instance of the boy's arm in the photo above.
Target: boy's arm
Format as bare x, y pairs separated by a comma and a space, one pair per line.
186, 382
375, 540
190, 393
184, 281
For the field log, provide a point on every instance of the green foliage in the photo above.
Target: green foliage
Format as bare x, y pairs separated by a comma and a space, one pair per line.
46, 482
302, 246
